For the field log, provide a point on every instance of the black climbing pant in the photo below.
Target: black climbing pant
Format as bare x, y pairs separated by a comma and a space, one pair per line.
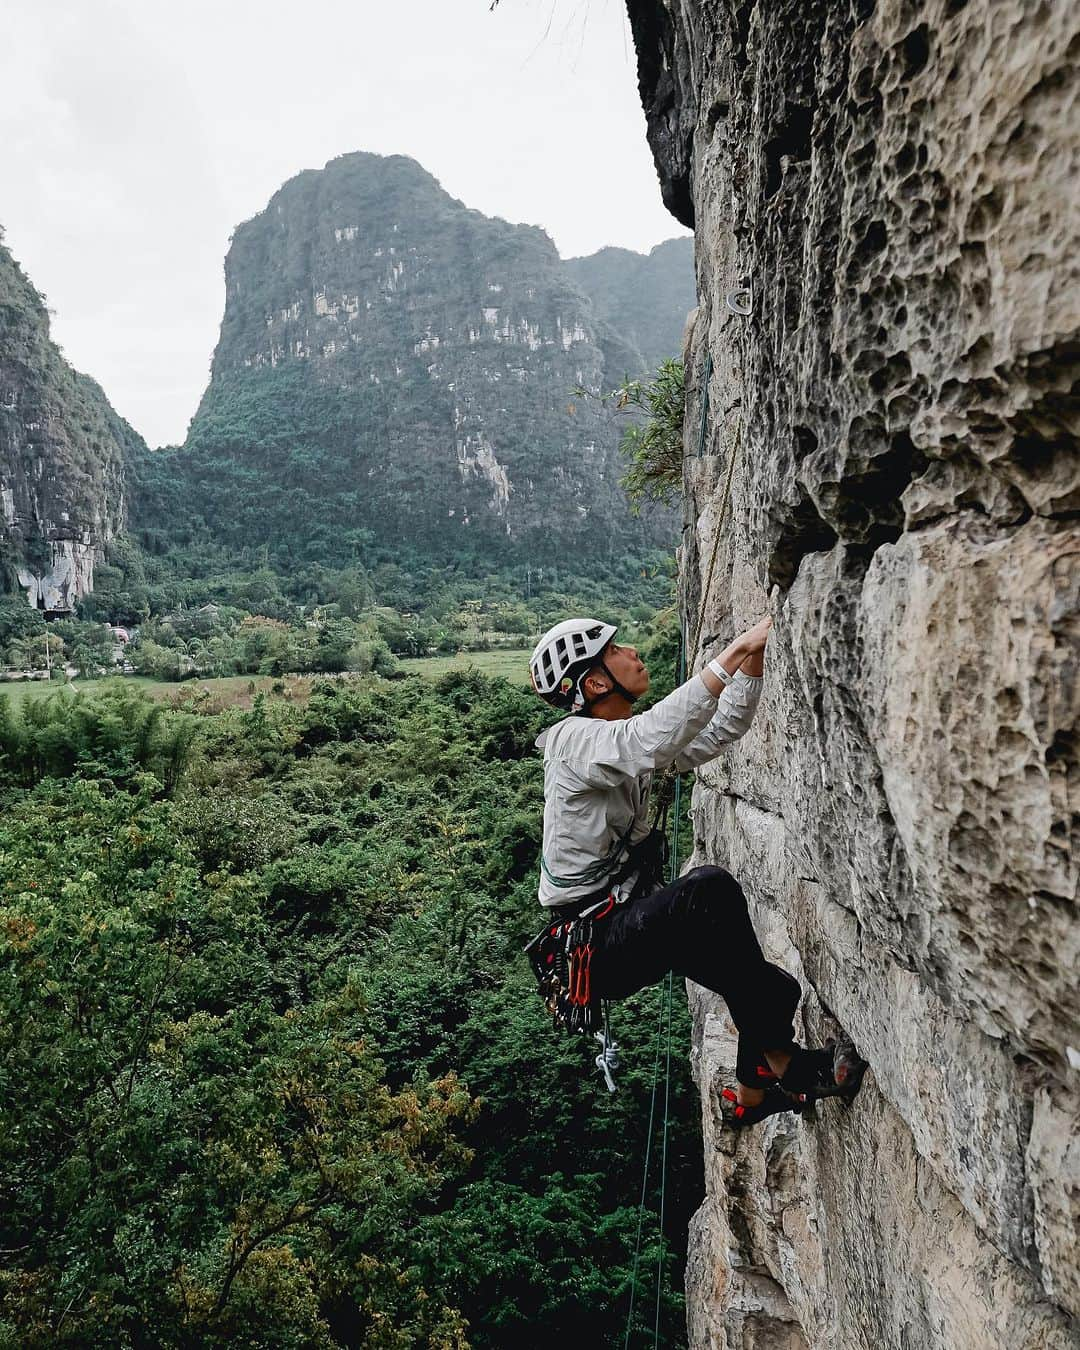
699, 928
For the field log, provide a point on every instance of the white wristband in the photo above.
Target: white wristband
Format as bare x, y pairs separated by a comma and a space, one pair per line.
719, 671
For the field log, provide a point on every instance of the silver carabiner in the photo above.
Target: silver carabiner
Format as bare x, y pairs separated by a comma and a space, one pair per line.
608, 1059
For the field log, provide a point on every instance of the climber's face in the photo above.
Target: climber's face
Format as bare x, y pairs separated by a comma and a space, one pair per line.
626, 666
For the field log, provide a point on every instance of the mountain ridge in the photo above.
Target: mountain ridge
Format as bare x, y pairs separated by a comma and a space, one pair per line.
424, 359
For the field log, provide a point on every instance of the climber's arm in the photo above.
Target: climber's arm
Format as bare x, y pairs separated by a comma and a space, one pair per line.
605, 753
734, 712
748, 650
736, 706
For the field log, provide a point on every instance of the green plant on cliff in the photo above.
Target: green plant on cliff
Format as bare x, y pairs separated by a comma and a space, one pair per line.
654, 445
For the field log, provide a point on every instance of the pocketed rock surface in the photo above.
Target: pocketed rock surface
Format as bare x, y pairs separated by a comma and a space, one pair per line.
895, 185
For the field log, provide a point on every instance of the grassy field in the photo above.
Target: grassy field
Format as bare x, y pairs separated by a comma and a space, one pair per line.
510, 665
234, 691
238, 691
18, 691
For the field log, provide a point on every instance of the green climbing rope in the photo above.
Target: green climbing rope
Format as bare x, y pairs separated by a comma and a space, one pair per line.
666, 1012
663, 1022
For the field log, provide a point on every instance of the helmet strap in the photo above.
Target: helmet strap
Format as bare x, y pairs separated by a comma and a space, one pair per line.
616, 688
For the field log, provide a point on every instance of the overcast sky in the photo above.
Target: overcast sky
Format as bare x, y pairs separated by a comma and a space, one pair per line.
135, 134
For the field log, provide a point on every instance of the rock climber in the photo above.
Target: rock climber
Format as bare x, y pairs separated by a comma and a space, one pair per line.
613, 926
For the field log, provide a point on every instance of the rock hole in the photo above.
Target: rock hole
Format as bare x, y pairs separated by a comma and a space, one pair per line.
864, 88
905, 160
717, 113
916, 51
792, 142
896, 371
873, 241
805, 532
919, 217
1009, 704
805, 443
980, 353
911, 186
984, 213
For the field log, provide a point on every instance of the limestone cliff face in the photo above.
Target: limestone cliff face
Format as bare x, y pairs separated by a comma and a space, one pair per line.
896, 186
392, 361
62, 452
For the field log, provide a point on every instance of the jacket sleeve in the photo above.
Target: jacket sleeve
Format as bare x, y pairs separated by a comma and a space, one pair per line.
735, 710
614, 751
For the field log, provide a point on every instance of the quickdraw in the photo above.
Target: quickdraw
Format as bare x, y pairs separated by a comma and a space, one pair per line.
561, 957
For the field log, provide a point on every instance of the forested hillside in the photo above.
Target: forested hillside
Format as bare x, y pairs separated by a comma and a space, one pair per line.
272, 1069
643, 297
62, 455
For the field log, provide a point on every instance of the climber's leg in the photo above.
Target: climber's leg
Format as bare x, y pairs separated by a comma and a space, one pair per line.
699, 927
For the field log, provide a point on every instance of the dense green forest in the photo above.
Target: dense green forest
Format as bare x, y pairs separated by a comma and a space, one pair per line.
207, 612
272, 1071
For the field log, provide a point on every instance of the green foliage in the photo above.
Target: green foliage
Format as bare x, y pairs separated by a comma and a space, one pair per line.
120, 593
654, 445
271, 1068
118, 735
18, 620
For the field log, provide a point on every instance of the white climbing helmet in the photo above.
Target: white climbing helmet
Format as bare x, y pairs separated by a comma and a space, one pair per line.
563, 655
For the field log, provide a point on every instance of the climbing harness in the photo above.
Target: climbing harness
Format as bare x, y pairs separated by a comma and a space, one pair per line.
561, 958
561, 953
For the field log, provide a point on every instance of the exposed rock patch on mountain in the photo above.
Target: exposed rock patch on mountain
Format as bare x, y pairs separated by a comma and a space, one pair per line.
62, 450
394, 365
895, 186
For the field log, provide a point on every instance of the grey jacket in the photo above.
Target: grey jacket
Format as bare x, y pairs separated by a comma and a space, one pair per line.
598, 775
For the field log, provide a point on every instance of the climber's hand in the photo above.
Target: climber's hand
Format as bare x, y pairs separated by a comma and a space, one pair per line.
754, 639
745, 654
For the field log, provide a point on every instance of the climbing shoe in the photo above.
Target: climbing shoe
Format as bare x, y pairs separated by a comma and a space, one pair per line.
736, 1116
764, 1073
836, 1070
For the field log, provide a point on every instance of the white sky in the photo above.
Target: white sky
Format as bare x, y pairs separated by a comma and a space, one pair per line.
136, 134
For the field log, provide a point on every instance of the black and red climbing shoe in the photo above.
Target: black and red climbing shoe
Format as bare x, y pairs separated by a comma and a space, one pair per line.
736, 1116
836, 1070
764, 1073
